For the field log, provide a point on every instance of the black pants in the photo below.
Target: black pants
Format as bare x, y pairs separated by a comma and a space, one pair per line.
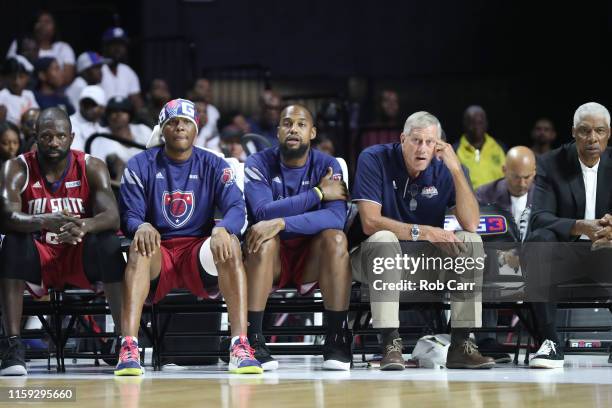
550, 264
102, 258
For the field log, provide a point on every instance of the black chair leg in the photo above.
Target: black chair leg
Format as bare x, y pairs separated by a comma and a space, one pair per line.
517, 351
526, 360
57, 328
155, 360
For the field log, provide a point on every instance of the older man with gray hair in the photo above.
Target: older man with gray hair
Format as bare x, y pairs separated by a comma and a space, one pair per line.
403, 191
572, 203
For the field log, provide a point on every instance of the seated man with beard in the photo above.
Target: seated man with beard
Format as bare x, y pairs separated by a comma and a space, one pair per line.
297, 200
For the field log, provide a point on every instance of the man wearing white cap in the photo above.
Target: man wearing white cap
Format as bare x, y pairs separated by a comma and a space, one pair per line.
86, 121
168, 198
89, 69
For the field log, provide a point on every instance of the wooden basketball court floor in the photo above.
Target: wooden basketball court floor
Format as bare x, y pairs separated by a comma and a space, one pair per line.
586, 381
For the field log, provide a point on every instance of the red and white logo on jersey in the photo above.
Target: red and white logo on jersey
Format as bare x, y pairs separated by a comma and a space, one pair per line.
227, 176
177, 207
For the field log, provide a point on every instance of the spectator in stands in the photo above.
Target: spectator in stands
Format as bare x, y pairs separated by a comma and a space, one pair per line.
384, 128
45, 33
266, 123
297, 204
478, 151
87, 120
231, 143
28, 128
49, 89
389, 109
28, 47
118, 79
62, 235
208, 136
156, 98
119, 113
89, 68
168, 198
324, 144
512, 193
543, 136
239, 120
9, 141
572, 202
15, 98
429, 174
201, 93
202, 89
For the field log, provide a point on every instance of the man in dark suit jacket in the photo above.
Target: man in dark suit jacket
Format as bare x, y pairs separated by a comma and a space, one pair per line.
572, 202
512, 193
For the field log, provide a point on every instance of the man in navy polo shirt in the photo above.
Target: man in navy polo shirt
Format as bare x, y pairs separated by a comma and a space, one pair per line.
402, 191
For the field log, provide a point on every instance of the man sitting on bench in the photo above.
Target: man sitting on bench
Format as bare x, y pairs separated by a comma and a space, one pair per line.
572, 203
168, 197
297, 198
403, 190
60, 217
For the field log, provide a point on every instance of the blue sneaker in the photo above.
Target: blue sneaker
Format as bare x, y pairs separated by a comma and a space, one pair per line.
129, 358
242, 358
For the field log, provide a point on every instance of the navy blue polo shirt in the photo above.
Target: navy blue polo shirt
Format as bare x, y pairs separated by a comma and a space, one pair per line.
382, 178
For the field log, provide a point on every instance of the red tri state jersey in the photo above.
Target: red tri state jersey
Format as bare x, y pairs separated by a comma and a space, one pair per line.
70, 193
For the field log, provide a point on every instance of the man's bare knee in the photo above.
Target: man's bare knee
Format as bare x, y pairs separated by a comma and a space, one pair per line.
333, 243
268, 249
136, 259
235, 259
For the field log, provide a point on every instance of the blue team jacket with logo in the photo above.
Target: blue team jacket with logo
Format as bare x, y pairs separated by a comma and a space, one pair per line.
179, 198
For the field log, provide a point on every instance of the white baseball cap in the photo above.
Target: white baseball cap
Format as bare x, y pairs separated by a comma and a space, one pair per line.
95, 93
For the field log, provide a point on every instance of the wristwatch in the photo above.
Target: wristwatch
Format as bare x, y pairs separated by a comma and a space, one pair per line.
415, 231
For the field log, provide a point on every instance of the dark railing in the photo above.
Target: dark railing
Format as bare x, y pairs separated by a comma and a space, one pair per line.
111, 137
252, 143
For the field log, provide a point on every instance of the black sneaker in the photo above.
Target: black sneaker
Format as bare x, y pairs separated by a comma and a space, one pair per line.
549, 355
262, 352
338, 351
13, 358
110, 346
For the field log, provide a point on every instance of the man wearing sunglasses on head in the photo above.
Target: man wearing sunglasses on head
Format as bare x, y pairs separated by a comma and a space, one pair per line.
403, 191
